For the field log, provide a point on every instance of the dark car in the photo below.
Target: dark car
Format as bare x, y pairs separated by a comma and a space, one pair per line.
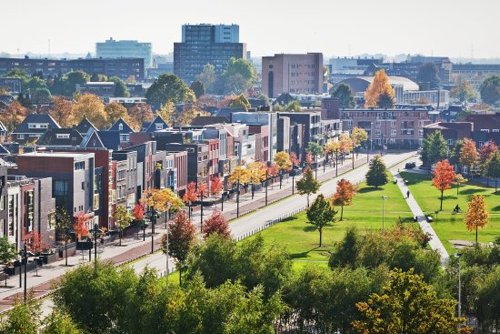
410, 165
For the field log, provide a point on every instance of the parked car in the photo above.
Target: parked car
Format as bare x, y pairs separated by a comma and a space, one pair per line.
410, 165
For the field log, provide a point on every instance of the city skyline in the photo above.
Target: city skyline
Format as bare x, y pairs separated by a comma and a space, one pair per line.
335, 29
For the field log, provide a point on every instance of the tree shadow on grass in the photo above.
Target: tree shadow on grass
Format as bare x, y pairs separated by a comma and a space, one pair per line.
495, 208
471, 191
369, 189
306, 253
309, 228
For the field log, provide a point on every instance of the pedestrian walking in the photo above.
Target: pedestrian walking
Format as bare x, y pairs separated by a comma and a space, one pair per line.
408, 194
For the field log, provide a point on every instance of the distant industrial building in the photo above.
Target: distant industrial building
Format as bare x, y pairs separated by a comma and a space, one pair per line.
125, 49
206, 44
292, 73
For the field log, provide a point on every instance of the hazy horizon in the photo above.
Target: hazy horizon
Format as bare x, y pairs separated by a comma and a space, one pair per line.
441, 28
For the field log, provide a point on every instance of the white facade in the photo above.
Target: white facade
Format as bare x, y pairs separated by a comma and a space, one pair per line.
125, 49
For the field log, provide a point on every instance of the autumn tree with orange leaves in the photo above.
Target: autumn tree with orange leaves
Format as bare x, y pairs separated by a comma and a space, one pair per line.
216, 186
444, 175
468, 154
80, 226
477, 215
13, 115
216, 224
344, 195
190, 195
61, 110
379, 87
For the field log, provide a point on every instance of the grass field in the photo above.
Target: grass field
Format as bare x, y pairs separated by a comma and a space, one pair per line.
302, 241
450, 226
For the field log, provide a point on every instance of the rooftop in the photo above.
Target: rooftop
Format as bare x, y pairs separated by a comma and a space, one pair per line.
58, 155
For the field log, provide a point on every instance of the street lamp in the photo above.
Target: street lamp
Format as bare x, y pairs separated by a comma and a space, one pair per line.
153, 222
459, 306
267, 181
384, 198
238, 198
24, 261
95, 232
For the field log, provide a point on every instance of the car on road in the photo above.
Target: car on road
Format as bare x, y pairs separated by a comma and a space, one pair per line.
410, 165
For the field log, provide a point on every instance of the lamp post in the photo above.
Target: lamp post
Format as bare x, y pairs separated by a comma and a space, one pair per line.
153, 222
95, 232
238, 198
24, 262
201, 210
384, 198
459, 306
267, 181
293, 181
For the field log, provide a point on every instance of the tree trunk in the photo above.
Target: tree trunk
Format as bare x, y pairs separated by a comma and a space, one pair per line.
441, 207
320, 236
476, 236
66, 250
307, 200
180, 277
120, 237
253, 190
341, 212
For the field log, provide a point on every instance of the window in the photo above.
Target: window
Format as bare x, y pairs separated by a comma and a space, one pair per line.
393, 132
485, 130
159, 126
450, 142
51, 220
420, 133
20, 136
393, 124
79, 165
62, 135
2, 204
83, 185
120, 126
60, 188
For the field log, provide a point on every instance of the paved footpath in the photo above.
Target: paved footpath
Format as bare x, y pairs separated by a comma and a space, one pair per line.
434, 242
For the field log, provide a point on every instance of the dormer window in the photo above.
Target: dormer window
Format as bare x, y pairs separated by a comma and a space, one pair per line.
159, 126
120, 126
62, 135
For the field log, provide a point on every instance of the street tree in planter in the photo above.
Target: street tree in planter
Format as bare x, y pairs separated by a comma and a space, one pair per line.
321, 214
7, 250
308, 184
444, 175
64, 226
122, 219
282, 159
181, 238
377, 173
190, 196
80, 226
359, 136
256, 174
138, 214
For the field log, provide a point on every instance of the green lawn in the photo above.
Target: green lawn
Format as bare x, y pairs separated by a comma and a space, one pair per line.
447, 225
302, 241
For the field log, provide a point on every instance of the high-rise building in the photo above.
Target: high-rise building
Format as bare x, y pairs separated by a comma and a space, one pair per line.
125, 49
206, 44
292, 73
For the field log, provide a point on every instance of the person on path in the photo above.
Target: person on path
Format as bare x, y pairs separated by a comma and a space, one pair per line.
408, 194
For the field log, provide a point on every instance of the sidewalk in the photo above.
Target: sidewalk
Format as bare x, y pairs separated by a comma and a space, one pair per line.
434, 242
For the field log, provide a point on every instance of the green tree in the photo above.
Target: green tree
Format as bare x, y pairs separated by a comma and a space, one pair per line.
7, 251
121, 89
407, 305
207, 77
167, 88
385, 101
487, 301
293, 106
434, 149
181, 235
490, 90
122, 219
197, 88
308, 184
493, 167
463, 92
321, 214
345, 253
59, 323
239, 76
429, 73
344, 93
72, 79
24, 318
377, 173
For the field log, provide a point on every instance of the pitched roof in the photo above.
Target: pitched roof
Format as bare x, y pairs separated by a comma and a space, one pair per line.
2, 127
125, 128
60, 137
36, 119
91, 139
4, 150
206, 120
84, 126
110, 139
151, 126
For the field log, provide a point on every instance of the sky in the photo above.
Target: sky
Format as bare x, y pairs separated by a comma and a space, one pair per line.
455, 28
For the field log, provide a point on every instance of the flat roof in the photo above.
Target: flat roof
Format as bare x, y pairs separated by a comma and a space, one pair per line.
58, 155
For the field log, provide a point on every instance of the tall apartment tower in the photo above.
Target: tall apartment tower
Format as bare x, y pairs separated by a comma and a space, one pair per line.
206, 44
125, 49
292, 73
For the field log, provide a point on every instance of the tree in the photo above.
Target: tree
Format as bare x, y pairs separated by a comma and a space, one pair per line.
188, 114
64, 226
239, 76
493, 167
294, 159
490, 90
91, 107
122, 219
72, 79
321, 214
308, 184
346, 252
434, 149
256, 173
167, 112
24, 318
429, 73
463, 92
190, 195
377, 173
343, 196
207, 77
239, 175
293, 106
162, 199
216, 186
197, 88
13, 115
486, 152
169, 87
40, 96
344, 93
216, 223
7, 250
60, 323
358, 136
240, 102
380, 85
80, 225
121, 89
140, 113
407, 305
115, 111
282, 159
61, 110
468, 154
459, 179
181, 237
138, 212
444, 175
386, 101
477, 215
